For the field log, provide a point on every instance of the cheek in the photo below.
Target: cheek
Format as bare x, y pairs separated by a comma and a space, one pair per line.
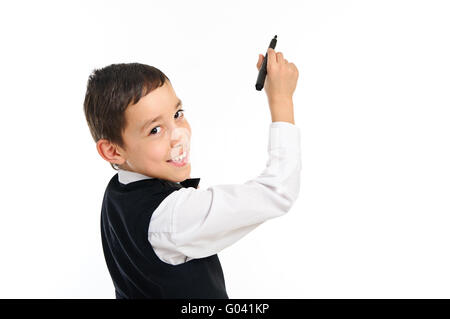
156, 152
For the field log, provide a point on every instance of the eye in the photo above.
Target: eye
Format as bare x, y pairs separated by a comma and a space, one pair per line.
180, 110
153, 130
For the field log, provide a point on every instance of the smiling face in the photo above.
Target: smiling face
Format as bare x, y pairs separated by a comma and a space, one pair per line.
155, 132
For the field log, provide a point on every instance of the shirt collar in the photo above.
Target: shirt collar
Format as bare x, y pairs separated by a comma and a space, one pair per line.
126, 177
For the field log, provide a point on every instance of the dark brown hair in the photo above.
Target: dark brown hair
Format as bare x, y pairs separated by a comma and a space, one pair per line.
110, 91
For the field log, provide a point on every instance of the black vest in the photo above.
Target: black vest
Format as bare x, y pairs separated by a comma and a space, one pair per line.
135, 269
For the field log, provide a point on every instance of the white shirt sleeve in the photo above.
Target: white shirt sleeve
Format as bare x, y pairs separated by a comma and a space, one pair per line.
196, 223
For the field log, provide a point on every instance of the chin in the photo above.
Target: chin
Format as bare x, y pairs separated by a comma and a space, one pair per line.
180, 175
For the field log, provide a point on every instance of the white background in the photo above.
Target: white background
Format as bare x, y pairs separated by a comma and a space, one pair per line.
372, 103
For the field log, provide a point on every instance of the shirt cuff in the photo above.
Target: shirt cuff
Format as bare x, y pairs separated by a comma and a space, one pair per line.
284, 135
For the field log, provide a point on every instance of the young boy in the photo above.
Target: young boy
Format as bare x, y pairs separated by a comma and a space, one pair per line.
160, 232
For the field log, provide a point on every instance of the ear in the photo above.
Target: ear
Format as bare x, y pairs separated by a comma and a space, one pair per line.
110, 152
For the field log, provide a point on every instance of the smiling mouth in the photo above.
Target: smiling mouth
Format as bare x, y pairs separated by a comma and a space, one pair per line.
186, 156
181, 163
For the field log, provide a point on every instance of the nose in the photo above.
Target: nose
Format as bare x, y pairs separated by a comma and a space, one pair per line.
179, 140
175, 141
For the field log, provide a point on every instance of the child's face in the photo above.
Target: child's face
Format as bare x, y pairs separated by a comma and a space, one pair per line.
151, 145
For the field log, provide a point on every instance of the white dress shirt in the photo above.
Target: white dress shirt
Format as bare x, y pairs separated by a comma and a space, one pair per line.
196, 223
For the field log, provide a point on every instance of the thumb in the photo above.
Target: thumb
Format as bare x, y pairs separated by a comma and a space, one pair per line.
260, 61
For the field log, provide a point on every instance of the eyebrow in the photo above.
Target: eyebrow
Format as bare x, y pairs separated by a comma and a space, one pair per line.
150, 121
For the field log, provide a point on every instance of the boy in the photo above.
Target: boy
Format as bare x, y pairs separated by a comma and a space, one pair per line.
160, 233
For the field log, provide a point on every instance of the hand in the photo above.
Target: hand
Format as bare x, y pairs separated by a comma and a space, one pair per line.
281, 78
280, 84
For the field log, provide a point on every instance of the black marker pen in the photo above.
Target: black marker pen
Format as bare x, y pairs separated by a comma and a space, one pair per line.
263, 71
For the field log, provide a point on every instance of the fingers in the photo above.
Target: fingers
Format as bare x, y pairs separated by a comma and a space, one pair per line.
275, 57
280, 58
271, 58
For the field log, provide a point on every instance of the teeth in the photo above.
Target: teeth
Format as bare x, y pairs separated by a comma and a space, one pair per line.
179, 158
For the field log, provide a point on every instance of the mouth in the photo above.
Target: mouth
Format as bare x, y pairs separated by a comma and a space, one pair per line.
181, 160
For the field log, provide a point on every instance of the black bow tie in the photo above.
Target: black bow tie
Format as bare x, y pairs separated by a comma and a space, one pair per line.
190, 182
